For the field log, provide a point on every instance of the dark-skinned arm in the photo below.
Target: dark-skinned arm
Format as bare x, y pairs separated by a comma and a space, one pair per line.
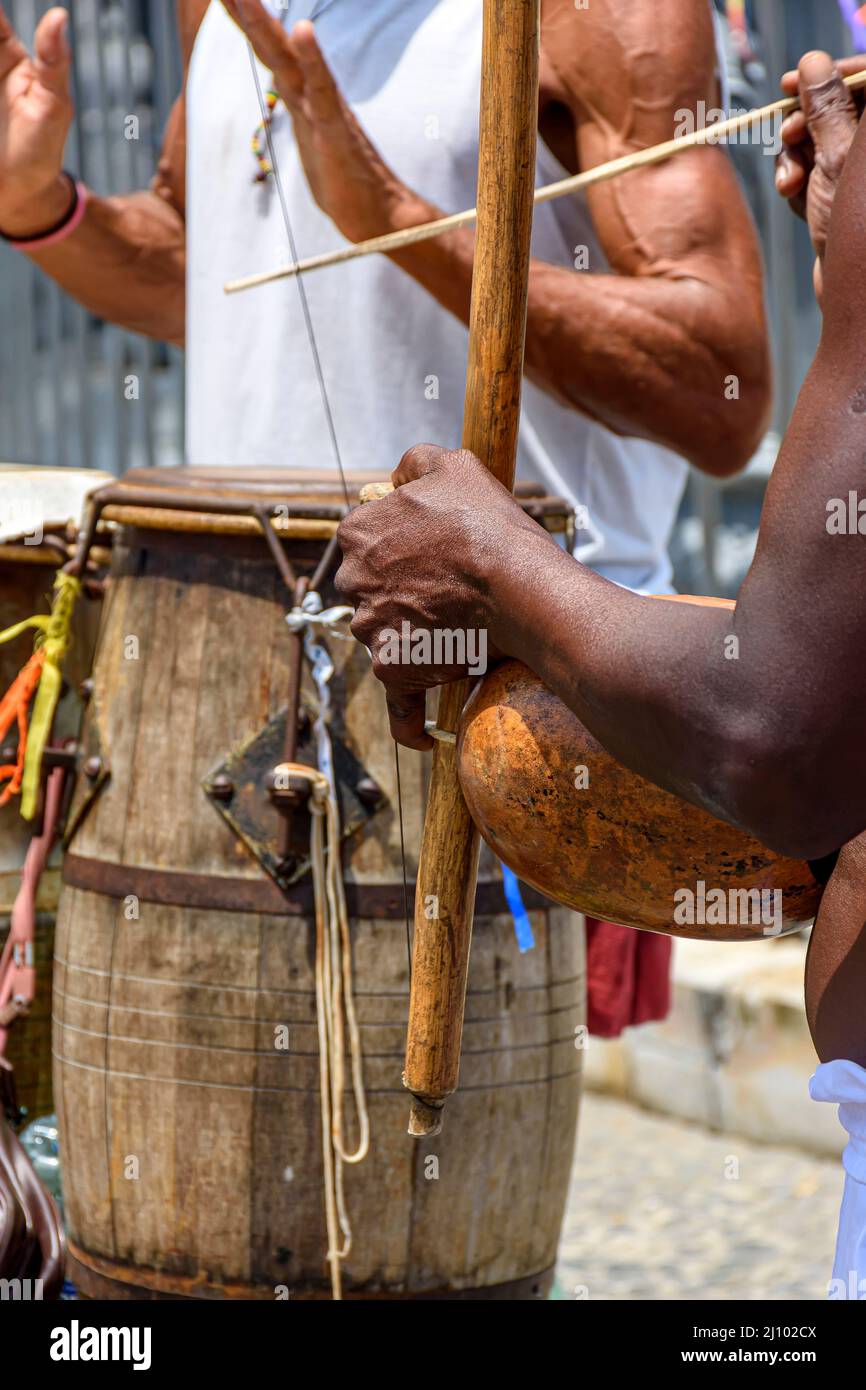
767, 732
126, 260
836, 961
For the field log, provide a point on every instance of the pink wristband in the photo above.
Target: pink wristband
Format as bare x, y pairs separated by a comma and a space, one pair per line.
60, 233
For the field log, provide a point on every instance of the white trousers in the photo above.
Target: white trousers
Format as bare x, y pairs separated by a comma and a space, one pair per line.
844, 1084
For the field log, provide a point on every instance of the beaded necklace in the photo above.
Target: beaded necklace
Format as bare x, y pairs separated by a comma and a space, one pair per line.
260, 142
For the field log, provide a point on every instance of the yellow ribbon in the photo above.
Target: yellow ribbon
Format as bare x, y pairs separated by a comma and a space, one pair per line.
53, 633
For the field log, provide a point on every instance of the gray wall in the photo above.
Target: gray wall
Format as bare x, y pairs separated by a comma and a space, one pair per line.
62, 373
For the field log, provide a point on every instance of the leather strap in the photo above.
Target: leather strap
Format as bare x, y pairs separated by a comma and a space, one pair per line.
263, 895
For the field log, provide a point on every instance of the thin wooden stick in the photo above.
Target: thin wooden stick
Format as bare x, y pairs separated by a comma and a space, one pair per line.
655, 154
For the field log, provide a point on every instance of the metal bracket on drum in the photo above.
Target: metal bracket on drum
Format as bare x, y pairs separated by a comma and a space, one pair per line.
92, 766
268, 813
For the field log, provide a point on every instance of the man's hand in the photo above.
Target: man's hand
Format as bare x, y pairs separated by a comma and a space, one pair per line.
348, 178
35, 116
433, 558
816, 142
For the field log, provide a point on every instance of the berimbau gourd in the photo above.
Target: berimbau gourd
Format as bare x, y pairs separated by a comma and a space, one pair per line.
572, 821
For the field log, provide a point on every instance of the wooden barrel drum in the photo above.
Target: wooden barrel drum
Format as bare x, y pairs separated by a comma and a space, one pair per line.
28, 564
191, 1141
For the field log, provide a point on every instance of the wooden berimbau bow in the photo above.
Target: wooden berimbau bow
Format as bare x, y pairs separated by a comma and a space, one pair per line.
445, 891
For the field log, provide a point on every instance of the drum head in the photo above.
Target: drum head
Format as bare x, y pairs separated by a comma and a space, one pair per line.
322, 486
267, 482
315, 493
35, 499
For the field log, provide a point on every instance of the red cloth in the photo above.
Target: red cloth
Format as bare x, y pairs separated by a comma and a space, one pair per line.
627, 977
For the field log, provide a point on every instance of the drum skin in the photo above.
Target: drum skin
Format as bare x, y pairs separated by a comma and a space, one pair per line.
619, 848
191, 1144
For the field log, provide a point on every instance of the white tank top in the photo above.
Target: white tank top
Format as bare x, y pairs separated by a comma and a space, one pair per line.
393, 360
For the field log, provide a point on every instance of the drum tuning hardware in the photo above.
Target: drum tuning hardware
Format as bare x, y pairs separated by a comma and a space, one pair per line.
368, 791
94, 587
65, 757
265, 803
222, 788
90, 759
288, 789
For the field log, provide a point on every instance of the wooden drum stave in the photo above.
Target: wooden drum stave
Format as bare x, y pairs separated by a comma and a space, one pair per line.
191, 1145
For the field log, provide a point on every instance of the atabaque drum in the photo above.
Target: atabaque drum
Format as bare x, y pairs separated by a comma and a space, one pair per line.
185, 1015
39, 513
593, 835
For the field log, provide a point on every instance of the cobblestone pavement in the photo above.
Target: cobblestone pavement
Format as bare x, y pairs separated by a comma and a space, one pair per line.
660, 1209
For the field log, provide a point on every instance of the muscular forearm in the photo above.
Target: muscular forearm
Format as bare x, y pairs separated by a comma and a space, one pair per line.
124, 262
661, 358
622, 348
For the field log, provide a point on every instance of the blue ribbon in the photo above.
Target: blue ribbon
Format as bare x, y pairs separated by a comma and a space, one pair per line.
522, 924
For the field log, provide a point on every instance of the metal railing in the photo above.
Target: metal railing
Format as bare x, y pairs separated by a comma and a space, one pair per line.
75, 391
